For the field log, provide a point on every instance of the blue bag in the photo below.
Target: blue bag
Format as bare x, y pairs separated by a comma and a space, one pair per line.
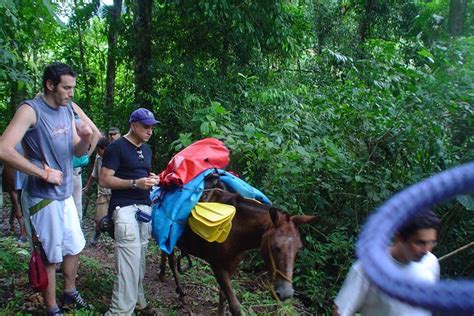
80, 161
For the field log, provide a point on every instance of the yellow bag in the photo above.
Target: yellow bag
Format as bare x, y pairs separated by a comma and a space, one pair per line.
212, 221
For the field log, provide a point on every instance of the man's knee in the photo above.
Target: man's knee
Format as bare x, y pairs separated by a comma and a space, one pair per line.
67, 259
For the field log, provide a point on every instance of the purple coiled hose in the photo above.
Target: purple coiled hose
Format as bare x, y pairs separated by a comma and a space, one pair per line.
454, 296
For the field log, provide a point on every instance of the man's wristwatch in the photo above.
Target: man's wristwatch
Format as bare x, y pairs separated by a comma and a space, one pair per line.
134, 184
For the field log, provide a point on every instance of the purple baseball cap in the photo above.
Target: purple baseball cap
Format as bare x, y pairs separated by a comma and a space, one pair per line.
143, 116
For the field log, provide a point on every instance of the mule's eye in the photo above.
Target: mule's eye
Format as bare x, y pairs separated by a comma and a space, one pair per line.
276, 249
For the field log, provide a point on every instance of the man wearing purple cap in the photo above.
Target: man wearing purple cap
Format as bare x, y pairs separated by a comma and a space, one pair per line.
126, 170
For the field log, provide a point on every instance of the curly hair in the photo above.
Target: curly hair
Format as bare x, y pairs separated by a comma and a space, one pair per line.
54, 72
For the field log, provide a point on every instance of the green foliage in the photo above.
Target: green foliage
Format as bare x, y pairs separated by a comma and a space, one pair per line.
13, 265
26, 26
252, 290
467, 201
96, 282
339, 146
458, 225
321, 121
10, 253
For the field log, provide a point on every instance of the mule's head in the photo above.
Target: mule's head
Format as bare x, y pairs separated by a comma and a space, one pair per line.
279, 247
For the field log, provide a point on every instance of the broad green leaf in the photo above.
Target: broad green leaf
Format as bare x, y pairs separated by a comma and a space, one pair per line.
467, 201
204, 128
427, 54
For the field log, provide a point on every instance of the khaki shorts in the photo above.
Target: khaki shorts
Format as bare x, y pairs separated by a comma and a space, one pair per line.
102, 208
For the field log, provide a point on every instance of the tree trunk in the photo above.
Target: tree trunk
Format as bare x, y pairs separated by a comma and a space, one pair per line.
457, 12
318, 29
87, 90
17, 95
143, 73
364, 27
115, 12
225, 53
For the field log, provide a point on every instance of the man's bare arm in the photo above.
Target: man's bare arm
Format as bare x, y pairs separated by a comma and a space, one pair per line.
95, 131
107, 179
23, 119
88, 183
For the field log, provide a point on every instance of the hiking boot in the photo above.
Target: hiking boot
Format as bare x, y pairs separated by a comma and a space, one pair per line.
74, 301
94, 240
58, 312
147, 311
22, 241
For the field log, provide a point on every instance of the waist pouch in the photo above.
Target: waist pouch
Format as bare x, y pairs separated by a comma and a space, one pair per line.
143, 215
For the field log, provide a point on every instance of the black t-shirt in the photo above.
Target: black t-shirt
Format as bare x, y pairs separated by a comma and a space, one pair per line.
129, 162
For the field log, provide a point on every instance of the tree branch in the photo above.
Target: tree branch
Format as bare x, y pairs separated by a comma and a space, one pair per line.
452, 253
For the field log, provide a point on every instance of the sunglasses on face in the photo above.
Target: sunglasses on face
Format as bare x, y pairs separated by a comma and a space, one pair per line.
112, 134
141, 158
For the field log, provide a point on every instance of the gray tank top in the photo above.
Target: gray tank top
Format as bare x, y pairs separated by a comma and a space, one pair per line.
50, 141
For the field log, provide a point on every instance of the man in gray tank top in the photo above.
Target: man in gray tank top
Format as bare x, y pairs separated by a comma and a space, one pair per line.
45, 127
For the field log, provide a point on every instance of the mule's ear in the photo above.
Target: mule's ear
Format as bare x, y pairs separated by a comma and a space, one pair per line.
303, 219
278, 216
273, 215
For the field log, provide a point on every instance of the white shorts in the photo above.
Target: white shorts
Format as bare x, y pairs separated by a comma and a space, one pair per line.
56, 224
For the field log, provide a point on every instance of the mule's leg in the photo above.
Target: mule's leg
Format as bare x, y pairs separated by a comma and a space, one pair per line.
162, 275
222, 300
223, 278
174, 270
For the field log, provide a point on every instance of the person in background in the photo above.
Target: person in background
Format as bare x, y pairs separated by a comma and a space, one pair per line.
411, 251
45, 126
103, 194
81, 118
114, 134
12, 181
126, 169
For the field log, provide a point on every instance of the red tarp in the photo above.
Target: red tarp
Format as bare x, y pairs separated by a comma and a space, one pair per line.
188, 163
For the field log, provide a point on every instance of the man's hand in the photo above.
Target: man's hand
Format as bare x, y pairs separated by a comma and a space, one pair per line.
147, 182
156, 177
53, 176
